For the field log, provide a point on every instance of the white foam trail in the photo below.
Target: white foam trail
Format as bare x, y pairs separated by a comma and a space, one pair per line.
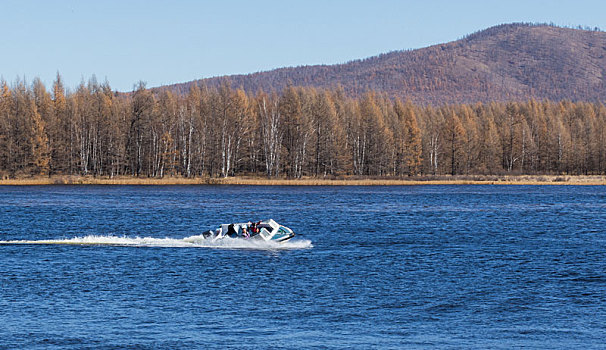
188, 242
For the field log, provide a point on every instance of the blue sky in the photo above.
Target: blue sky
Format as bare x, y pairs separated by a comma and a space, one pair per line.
164, 42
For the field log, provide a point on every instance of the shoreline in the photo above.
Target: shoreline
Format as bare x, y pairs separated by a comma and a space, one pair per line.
595, 180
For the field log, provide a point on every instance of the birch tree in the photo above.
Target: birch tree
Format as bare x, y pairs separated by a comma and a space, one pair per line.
271, 133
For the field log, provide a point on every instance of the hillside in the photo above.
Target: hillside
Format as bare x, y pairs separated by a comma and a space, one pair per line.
502, 63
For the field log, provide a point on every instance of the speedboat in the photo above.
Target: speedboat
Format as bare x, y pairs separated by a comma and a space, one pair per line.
267, 230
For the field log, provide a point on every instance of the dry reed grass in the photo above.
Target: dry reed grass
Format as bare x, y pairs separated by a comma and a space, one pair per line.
343, 181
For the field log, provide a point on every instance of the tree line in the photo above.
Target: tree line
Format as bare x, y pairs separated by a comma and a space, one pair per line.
301, 131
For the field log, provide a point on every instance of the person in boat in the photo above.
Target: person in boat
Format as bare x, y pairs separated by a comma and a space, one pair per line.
231, 230
245, 234
253, 229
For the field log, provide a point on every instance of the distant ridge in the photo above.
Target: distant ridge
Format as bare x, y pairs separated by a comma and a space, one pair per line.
509, 62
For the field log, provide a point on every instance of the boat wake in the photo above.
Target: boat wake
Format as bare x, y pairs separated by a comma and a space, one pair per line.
188, 242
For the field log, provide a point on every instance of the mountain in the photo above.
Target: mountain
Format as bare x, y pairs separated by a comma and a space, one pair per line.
502, 63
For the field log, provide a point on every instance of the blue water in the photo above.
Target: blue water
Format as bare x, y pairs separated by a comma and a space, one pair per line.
371, 268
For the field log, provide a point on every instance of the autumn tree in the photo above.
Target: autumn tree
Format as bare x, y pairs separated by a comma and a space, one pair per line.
326, 133
143, 103
192, 124
432, 139
164, 135
6, 131
297, 130
198, 127
238, 121
270, 125
455, 138
40, 156
489, 146
376, 137
407, 139
60, 131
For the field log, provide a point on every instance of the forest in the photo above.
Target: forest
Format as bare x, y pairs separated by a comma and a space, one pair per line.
299, 132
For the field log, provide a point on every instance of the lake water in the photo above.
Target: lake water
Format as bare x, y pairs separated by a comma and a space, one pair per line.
371, 268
